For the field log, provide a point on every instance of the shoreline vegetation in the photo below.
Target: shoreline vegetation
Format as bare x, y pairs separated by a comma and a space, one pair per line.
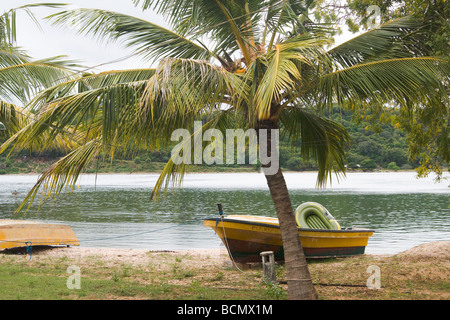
383, 149
38, 166
420, 273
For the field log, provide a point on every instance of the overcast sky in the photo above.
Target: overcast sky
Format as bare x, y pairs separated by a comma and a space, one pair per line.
56, 40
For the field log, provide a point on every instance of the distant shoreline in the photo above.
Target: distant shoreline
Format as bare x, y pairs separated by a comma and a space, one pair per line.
39, 165
210, 172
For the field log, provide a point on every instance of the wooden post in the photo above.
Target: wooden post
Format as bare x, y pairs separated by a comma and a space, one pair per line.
268, 262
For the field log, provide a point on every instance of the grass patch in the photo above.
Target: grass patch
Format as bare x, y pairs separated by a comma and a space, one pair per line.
167, 276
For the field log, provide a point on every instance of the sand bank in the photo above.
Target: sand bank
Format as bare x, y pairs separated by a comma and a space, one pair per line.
439, 250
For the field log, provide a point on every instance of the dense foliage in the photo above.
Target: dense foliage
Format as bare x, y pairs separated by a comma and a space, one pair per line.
370, 149
427, 129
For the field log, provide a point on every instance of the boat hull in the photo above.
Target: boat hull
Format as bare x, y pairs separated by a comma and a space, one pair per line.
247, 236
18, 233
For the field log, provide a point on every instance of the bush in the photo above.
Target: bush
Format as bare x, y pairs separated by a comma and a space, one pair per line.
368, 164
294, 163
393, 166
406, 167
8, 163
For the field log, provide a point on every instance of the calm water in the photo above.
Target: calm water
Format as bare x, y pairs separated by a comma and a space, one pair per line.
116, 210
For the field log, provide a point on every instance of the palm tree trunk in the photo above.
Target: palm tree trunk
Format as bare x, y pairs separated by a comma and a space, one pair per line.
298, 277
300, 286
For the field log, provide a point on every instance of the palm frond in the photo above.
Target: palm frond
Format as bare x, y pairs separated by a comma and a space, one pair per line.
8, 28
322, 141
389, 40
150, 40
88, 82
10, 55
32, 76
284, 71
64, 173
83, 109
174, 170
107, 112
283, 17
230, 26
181, 89
393, 80
11, 117
17, 121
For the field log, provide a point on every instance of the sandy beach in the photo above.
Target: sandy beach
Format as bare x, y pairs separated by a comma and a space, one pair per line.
437, 250
420, 273
136, 257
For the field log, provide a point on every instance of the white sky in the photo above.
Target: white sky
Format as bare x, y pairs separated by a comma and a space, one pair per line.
57, 40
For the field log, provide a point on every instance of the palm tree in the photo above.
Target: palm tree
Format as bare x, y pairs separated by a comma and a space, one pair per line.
248, 64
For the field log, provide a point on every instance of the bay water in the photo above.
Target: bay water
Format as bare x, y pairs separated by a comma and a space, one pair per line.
115, 210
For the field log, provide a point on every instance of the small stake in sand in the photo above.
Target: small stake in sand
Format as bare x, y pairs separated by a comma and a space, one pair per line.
268, 262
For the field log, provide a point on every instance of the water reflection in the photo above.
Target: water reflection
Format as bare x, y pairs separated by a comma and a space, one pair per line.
116, 210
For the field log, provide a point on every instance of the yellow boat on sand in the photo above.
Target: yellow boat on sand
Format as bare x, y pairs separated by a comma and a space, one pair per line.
247, 236
20, 233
